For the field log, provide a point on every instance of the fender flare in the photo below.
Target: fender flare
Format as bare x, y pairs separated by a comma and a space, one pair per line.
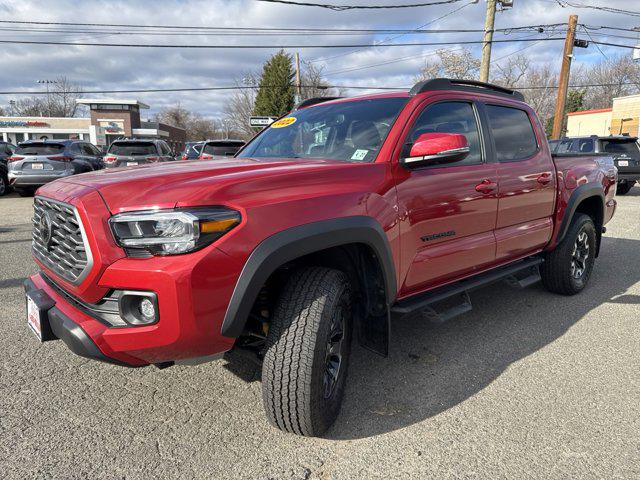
296, 242
577, 196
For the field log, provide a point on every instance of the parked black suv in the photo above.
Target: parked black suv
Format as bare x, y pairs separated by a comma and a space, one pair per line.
37, 162
132, 152
624, 150
6, 150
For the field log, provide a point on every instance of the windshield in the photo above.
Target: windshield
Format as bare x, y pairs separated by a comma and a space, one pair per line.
132, 148
630, 147
346, 131
40, 148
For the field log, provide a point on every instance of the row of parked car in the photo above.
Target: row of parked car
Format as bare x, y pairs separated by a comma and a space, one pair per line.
33, 163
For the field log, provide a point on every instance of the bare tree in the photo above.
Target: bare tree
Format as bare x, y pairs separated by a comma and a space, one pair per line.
451, 64
240, 106
60, 102
63, 97
314, 84
618, 76
509, 73
197, 127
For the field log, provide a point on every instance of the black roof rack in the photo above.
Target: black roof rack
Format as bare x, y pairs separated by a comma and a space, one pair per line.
464, 85
314, 101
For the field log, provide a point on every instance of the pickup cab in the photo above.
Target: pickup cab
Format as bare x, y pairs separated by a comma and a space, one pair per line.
334, 220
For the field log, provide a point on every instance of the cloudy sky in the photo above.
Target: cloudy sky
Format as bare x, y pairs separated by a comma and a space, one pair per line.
113, 68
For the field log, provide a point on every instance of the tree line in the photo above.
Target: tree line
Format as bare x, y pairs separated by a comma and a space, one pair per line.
272, 91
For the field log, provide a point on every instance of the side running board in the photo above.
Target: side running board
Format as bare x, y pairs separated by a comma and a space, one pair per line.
448, 302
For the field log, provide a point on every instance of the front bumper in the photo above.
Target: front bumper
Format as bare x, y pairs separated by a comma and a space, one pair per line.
21, 179
191, 306
57, 326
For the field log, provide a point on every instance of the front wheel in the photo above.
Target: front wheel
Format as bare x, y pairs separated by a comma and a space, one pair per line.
566, 270
307, 352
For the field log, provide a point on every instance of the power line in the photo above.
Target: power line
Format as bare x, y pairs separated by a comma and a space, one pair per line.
323, 87
236, 47
278, 30
342, 8
564, 4
389, 39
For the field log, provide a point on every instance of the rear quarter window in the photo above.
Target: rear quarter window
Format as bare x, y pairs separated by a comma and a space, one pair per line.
512, 133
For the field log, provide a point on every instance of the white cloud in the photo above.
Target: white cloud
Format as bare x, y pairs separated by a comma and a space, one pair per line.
126, 68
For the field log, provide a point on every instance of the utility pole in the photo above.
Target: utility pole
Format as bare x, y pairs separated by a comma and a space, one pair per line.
563, 84
298, 86
487, 39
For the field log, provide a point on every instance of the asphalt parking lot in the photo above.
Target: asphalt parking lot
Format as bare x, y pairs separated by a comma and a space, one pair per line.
528, 385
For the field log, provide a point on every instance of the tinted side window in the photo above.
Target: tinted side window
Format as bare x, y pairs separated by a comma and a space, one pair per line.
450, 117
512, 132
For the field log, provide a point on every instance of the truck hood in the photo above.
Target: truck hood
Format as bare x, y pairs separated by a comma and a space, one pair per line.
190, 183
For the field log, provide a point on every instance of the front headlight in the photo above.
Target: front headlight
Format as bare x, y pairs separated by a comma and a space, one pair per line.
171, 232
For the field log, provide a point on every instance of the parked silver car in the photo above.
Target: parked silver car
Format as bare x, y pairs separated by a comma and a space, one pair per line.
134, 152
37, 162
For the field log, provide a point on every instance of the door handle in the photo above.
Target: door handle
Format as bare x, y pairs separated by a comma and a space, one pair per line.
544, 178
486, 186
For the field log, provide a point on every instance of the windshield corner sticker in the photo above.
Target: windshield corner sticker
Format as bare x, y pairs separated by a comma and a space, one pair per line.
359, 154
284, 122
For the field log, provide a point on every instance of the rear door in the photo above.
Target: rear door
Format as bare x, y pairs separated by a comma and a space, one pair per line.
526, 178
447, 211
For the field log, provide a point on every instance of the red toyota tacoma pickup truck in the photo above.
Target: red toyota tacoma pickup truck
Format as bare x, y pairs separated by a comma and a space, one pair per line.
334, 219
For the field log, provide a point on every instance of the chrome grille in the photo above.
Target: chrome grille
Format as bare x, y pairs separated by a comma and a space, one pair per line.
59, 241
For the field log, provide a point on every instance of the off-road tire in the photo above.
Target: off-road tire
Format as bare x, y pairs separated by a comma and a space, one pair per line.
294, 392
556, 271
624, 187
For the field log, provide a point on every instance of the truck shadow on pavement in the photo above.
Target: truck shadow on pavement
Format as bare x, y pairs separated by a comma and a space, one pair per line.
434, 368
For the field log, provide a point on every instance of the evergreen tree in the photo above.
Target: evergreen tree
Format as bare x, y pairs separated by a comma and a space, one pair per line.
575, 103
276, 94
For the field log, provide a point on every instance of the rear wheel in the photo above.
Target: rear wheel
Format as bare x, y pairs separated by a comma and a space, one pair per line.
625, 186
307, 352
567, 269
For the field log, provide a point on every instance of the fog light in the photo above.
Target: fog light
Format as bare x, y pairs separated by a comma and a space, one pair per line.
138, 308
147, 309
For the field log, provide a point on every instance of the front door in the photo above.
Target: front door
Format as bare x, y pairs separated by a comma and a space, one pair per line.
448, 211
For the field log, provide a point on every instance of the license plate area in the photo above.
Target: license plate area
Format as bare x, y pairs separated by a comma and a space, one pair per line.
38, 306
132, 164
623, 163
37, 166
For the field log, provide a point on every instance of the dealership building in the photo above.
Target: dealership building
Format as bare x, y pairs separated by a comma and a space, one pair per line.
109, 119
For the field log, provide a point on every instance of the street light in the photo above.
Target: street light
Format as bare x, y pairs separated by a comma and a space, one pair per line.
47, 83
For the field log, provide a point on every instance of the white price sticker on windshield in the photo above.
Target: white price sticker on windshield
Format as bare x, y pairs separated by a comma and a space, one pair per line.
359, 154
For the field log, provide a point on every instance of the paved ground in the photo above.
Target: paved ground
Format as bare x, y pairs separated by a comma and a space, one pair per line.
528, 385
